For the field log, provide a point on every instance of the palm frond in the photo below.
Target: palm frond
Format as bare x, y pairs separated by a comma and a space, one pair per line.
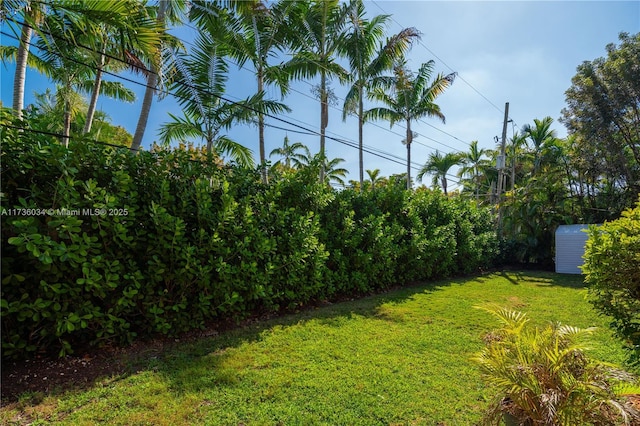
238, 153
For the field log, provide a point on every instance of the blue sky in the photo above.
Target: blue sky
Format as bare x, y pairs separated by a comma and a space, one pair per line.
524, 53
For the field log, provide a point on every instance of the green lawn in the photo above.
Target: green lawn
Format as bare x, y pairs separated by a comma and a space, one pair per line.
397, 358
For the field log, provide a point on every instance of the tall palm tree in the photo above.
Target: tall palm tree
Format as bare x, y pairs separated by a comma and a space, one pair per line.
290, 152
408, 98
439, 165
368, 59
471, 162
539, 134
140, 37
199, 84
65, 64
316, 28
262, 29
32, 13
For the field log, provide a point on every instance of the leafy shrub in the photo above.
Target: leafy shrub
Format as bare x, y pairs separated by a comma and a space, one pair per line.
542, 376
612, 269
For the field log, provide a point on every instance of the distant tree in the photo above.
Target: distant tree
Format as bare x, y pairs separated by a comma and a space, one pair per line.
540, 135
369, 58
603, 117
408, 98
471, 162
374, 177
316, 28
290, 153
439, 165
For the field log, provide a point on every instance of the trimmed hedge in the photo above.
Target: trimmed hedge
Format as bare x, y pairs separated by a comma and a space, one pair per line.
185, 241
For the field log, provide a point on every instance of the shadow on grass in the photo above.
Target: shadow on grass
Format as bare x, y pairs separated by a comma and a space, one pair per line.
194, 361
544, 278
23, 384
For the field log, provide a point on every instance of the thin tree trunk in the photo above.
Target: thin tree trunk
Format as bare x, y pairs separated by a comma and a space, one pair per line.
409, 140
146, 109
324, 119
360, 135
152, 82
263, 157
93, 103
67, 125
21, 70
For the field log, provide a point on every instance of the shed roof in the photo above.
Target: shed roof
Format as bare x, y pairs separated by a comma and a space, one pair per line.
571, 229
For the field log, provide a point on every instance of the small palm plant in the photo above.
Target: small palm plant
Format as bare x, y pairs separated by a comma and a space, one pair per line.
542, 376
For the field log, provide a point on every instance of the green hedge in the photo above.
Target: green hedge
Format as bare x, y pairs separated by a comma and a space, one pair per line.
612, 269
186, 241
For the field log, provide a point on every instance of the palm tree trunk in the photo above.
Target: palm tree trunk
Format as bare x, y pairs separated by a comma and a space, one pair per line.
67, 124
324, 119
152, 82
409, 140
21, 70
94, 94
263, 157
146, 109
360, 135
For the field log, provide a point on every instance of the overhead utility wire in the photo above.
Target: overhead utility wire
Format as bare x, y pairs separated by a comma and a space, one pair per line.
341, 110
370, 150
443, 62
501, 110
309, 131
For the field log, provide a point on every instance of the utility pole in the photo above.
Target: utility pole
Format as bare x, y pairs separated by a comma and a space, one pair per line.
500, 166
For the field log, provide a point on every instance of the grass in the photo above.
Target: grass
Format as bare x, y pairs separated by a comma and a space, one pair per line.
400, 358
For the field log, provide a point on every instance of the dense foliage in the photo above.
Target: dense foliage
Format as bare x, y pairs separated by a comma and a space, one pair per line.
612, 257
165, 241
543, 376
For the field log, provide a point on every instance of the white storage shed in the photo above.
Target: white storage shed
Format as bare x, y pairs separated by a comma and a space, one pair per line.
570, 245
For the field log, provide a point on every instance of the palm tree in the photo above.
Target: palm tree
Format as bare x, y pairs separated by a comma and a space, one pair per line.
199, 84
368, 59
72, 19
316, 29
373, 177
32, 13
261, 35
290, 153
141, 35
169, 11
409, 98
438, 165
333, 173
539, 134
472, 160
64, 63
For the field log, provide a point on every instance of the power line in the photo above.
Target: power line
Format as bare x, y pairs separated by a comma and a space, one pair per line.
306, 130
421, 43
342, 99
145, 70
380, 153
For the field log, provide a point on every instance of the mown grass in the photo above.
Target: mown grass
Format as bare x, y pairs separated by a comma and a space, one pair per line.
400, 358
